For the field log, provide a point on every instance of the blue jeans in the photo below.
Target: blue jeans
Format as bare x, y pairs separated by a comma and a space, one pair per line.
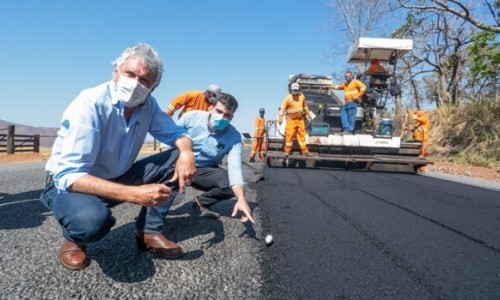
86, 218
348, 115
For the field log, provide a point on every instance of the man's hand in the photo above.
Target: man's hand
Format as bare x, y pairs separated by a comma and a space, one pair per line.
185, 169
152, 194
242, 205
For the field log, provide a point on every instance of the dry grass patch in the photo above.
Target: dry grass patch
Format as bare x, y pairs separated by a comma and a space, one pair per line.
147, 148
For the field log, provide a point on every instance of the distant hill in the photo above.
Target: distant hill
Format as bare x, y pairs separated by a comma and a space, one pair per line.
47, 134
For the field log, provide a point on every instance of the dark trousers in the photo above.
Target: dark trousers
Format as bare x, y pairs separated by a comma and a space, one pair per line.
215, 183
86, 218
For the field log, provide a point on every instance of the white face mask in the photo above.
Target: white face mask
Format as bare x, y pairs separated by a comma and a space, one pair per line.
131, 92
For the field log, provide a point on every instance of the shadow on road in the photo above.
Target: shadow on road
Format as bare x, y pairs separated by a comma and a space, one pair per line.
21, 210
120, 259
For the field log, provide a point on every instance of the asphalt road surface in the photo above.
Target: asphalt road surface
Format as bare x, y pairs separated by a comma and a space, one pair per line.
365, 235
337, 235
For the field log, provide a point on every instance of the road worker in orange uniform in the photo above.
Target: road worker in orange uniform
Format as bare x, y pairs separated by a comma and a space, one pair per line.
353, 91
295, 107
258, 136
421, 127
376, 68
194, 100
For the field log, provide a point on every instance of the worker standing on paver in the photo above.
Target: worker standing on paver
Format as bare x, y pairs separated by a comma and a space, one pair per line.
353, 91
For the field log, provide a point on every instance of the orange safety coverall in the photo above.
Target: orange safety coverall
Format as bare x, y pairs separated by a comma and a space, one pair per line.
190, 100
353, 89
294, 106
376, 68
258, 142
421, 126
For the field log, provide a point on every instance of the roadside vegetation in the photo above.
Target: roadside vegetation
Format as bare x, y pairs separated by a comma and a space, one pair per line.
468, 134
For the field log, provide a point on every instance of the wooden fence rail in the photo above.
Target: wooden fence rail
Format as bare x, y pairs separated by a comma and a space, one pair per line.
12, 143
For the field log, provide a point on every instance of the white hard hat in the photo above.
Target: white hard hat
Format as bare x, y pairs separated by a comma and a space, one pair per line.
295, 86
214, 89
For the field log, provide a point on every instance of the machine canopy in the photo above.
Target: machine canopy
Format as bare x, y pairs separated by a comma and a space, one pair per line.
366, 49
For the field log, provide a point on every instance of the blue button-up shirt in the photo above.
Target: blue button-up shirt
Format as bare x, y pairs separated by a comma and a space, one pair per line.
210, 148
96, 139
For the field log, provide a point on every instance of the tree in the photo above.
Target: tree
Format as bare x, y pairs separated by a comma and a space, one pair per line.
485, 64
355, 19
456, 8
440, 41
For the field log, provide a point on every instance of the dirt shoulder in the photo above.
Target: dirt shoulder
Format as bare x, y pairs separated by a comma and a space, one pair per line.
23, 157
465, 170
444, 167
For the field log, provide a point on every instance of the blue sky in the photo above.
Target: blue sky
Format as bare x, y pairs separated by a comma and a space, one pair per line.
51, 50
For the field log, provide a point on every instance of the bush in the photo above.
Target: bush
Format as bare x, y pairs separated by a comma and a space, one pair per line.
467, 134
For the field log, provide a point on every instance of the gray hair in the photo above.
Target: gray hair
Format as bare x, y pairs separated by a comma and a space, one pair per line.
228, 100
149, 57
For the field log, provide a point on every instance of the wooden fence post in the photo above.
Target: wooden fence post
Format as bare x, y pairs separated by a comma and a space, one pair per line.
36, 143
10, 139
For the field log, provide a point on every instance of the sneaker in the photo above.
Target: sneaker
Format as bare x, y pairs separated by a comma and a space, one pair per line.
251, 159
204, 211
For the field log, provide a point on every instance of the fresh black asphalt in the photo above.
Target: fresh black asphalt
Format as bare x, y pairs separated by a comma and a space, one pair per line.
337, 235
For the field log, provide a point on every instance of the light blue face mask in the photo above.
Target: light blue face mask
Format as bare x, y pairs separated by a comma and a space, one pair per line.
218, 122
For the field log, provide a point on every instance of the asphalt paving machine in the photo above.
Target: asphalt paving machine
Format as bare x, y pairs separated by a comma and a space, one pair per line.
373, 147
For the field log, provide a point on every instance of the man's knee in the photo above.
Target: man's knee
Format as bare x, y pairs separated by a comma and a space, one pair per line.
87, 226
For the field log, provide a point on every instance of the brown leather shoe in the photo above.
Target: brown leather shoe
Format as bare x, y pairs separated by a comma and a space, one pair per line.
73, 256
158, 244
